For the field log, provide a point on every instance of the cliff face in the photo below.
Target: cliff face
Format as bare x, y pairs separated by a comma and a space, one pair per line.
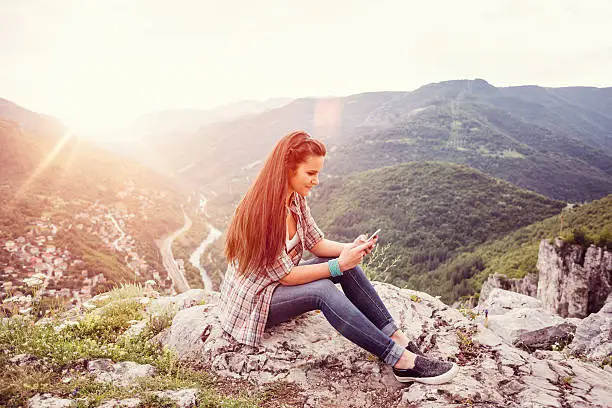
573, 282
527, 285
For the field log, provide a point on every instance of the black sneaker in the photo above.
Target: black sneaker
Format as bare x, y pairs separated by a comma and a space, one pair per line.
413, 348
427, 371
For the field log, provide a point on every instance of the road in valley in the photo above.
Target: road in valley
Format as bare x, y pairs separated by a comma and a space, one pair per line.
179, 283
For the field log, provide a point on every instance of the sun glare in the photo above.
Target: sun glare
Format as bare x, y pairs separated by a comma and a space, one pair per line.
97, 126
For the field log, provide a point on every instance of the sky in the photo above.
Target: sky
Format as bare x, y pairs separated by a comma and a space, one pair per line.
96, 63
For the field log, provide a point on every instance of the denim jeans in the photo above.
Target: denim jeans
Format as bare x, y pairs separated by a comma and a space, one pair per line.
358, 314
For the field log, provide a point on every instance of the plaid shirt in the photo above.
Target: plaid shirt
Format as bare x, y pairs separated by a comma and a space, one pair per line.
245, 300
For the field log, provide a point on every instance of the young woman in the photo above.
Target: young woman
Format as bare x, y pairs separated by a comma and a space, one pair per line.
266, 284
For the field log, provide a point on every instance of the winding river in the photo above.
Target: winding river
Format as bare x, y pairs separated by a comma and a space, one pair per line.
213, 235
179, 281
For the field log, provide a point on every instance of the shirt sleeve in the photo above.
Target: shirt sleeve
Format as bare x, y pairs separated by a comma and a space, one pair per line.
312, 233
280, 268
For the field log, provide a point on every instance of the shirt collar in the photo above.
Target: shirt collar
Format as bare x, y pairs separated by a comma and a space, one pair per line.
293, 203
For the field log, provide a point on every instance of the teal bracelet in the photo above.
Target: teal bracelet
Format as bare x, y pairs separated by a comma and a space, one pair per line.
334, 267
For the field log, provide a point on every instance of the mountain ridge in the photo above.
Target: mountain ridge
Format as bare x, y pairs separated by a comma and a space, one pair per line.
459, 121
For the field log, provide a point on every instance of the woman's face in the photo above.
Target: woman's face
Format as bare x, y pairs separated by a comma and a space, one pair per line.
306, 176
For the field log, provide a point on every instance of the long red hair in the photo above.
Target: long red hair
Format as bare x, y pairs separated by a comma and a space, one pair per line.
256, 235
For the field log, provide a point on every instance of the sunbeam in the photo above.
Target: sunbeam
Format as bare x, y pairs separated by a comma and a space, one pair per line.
43, 165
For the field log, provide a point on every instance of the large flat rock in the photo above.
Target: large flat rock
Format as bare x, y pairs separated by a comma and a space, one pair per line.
308, 352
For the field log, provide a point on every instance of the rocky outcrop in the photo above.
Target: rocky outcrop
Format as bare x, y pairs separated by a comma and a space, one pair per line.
332, 371
526, 286
594, 334
500, 301
573, 282
520, 322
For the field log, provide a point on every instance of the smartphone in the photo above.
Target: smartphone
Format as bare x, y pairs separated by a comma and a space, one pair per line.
374, 234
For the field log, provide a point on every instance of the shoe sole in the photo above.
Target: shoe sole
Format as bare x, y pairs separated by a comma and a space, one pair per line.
440, 379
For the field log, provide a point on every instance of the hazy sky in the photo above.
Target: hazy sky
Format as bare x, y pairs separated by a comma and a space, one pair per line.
91, 61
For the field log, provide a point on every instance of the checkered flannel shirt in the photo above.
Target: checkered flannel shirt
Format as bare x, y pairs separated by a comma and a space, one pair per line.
245, 300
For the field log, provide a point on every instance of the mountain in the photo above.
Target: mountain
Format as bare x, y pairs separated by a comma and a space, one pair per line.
191, 120
555, 141
85, 219
150, 137
429, 213
28, 120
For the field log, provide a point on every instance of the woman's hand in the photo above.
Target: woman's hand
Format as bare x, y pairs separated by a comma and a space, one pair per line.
353, 254
363, 239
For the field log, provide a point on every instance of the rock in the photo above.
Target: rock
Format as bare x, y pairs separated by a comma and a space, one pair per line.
123, 373
179, 302
502, 301
542, 369
23, 359
48, 401
541, 398
464, 388
487, 337
185, 398
309, 353
135, 329
546, 337
126, 403
513, 324
573, 282
593, 336
526, 286
100, 365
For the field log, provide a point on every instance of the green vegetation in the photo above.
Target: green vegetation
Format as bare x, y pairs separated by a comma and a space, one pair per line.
468, 348
429, 214
516, 254
60, 350
580, 237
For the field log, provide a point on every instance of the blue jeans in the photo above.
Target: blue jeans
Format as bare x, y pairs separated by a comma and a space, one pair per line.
358, 314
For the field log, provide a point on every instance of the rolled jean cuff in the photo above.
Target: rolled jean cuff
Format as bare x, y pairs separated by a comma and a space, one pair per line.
389, 328
394, 354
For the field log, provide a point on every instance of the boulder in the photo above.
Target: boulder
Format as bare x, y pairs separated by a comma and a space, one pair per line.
181, 301
185, 398
547, 337
123, 373
511, 325
500, 301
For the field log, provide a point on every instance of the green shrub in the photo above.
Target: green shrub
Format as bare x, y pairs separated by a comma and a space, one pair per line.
108, 322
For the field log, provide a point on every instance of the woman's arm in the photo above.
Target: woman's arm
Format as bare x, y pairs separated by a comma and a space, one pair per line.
349, 257
327, 248
306, 273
